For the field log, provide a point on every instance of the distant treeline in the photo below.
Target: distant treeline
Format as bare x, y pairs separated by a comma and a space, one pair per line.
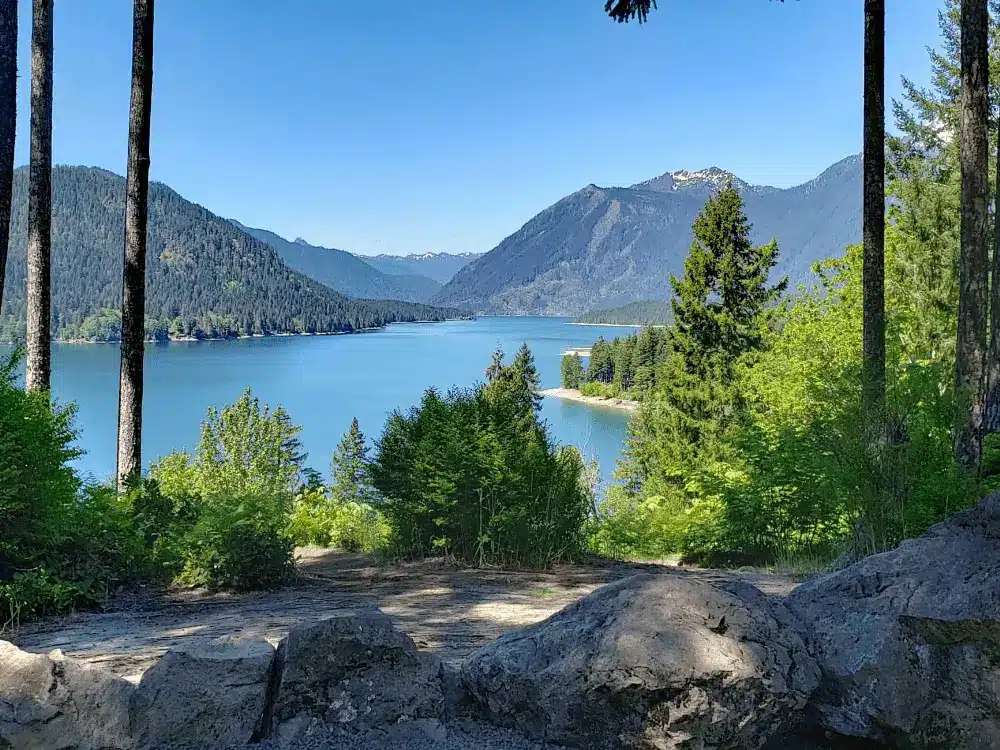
652, 312
623, 367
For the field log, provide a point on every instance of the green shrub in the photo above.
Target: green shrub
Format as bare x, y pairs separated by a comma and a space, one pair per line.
594, 388
239, 543
473, 473
62, 545
321, 520
232, 499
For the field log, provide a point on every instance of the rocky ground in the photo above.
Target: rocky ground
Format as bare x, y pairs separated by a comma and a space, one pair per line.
444, 608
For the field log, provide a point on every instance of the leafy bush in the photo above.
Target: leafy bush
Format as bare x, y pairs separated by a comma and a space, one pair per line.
234, 495
62, 545
325, 521
594, 388
473, 473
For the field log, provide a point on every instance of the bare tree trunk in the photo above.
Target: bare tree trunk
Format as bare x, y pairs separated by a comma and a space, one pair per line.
992, 418
8, 124
873, 221
973, 279
134, 275
39, 278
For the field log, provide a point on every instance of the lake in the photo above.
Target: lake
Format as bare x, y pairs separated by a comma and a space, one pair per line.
323, 381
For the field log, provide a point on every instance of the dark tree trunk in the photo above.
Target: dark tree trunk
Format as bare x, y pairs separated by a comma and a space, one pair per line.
992, 419
973, 280
8, 123
39, 278
873, 223
134, 276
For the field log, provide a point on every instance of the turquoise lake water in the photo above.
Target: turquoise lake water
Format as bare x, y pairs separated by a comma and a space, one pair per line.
323, 381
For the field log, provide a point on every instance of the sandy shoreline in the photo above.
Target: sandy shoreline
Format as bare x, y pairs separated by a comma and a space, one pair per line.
571, 394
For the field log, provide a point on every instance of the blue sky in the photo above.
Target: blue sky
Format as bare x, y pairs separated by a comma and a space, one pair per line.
433, 125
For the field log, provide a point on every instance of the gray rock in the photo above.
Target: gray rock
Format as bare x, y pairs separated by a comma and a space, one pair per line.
355, 672
50, 702
652, 661
211, 694
909, 640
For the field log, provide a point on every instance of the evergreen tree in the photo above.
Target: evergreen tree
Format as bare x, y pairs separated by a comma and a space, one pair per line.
723, 303
601, 368
349, 467
723, 306
526, 376
516, 384
572, 371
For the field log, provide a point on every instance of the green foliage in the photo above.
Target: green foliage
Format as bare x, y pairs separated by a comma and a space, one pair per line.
473, 473
724, 309
349, 467
325, 521
572, 371
344, 516
62, 544
241, 481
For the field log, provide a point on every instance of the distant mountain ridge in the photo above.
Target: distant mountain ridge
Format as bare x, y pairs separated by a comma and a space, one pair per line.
414, 277
603, 247
205, 277
345, 272
441, 267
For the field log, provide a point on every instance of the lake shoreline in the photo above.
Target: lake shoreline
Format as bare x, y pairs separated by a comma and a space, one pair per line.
572, 394
192, 339
608, 325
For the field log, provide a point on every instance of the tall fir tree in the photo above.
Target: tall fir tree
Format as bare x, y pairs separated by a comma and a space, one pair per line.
349, 467
723, 306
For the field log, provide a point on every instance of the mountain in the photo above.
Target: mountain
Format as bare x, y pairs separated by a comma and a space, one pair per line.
601, 247
648, 312
205, 277
345, 272
439, 266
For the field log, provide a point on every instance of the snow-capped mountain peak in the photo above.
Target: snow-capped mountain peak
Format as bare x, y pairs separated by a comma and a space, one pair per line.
711, 177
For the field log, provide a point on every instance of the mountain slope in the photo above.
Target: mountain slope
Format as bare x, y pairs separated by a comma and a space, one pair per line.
205, 277
601, 247
345, 272
439, 266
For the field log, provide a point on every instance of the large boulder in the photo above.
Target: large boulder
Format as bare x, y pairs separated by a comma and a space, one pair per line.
652, 661
207, 694
909, 640
353, 673
49, 702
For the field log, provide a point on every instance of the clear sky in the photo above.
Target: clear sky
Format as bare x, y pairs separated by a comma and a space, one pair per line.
440, 125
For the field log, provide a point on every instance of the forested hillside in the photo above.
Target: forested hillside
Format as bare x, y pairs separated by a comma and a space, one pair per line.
205, 277
650, 312
601, 247
345, 272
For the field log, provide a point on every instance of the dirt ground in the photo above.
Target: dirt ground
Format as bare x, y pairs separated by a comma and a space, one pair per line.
445, 608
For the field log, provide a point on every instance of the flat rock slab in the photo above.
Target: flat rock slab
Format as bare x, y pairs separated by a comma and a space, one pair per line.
653, 661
